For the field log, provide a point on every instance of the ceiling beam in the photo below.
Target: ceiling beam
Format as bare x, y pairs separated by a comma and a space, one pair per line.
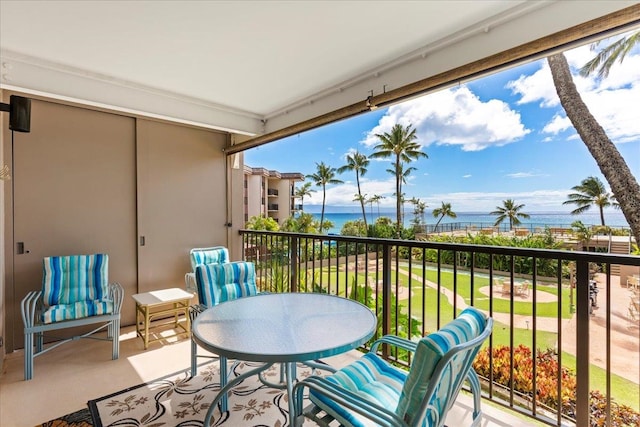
618, 21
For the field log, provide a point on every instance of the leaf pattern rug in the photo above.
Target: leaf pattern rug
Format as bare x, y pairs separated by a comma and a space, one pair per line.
182, 400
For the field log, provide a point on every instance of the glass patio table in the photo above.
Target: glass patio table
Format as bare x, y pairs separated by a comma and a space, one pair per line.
281, 328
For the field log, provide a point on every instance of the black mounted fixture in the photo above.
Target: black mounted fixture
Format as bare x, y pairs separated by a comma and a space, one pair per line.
19, 109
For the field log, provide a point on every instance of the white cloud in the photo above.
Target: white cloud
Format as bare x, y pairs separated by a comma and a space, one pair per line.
612, 101
344, 194
454, 117
466, 176
520, 175
534, 201
557, 124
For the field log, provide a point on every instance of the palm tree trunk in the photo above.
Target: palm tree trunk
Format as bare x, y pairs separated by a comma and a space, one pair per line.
364, 214
439, 219
324, 197
601, 215
623, 184
398, 198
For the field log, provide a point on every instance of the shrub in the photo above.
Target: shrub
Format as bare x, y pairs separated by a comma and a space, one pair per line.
547, 369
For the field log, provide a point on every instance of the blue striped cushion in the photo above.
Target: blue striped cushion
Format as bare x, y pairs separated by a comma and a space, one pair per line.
369, 377
223, 282
468, 325
75, 286
80, 309
214, 255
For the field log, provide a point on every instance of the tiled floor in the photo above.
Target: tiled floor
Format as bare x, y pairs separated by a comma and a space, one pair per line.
67, 377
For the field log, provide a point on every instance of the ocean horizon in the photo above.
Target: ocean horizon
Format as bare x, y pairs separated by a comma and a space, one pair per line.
537, 219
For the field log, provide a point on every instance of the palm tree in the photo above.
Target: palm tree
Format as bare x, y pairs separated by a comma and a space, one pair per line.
607, 57
302, 192
403, 174
442, 211
612, 165
357, 162
400, 143
324, 175
418, 210
590, 192
376, 199
509, 210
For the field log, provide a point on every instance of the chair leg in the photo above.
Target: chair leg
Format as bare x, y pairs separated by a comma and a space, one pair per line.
224, 379
114, 327
476, 390
39, 337
194, 358
28, 356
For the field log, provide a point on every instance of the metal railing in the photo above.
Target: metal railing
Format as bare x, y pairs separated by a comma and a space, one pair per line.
489, 228
541, 301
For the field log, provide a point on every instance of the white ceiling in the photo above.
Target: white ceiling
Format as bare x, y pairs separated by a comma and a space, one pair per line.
257, 66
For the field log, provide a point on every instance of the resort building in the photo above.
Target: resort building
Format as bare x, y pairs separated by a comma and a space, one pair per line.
270, 193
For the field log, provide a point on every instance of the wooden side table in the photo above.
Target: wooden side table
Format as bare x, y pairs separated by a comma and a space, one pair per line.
159, 306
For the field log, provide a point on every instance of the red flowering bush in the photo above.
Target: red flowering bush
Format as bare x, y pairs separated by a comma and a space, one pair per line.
546, 381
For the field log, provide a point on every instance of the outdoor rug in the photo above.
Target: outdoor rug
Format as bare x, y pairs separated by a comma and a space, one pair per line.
182, 400
81, 418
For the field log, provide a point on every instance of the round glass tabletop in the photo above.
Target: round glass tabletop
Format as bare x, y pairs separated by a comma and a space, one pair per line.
286, 327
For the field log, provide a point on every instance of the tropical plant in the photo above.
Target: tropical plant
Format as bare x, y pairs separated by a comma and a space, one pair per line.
262, 223
302, 192
442, 211
509, 210
607, 57
324, 175
354, 228
590, 192
418, 210
514, 368
401, 144
582, 232
382, 228
358, 163
624, 185
303, 223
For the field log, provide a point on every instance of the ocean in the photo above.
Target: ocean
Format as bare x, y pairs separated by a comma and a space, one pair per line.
551, 219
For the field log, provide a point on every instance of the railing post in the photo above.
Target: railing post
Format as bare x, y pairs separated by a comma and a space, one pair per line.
295, 262
386, 294
583, 408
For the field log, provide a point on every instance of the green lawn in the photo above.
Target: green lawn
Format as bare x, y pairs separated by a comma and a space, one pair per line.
500, 305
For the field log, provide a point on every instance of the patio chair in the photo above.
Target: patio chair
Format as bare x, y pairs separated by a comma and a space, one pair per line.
371, 391
75, 292
503, 285
217, 283
197, 256
524, 288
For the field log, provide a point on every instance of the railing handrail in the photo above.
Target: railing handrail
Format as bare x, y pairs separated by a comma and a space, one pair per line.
569, 255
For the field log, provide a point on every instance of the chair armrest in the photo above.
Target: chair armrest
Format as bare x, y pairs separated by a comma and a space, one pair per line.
195, 310
347, 399
116, 294
28, 307
395, 341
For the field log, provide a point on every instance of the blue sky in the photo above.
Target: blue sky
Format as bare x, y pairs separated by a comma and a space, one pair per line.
499, 137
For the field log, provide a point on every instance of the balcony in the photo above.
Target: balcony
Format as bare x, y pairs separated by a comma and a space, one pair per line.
415, 287
574, 346
272, 207
272, 192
